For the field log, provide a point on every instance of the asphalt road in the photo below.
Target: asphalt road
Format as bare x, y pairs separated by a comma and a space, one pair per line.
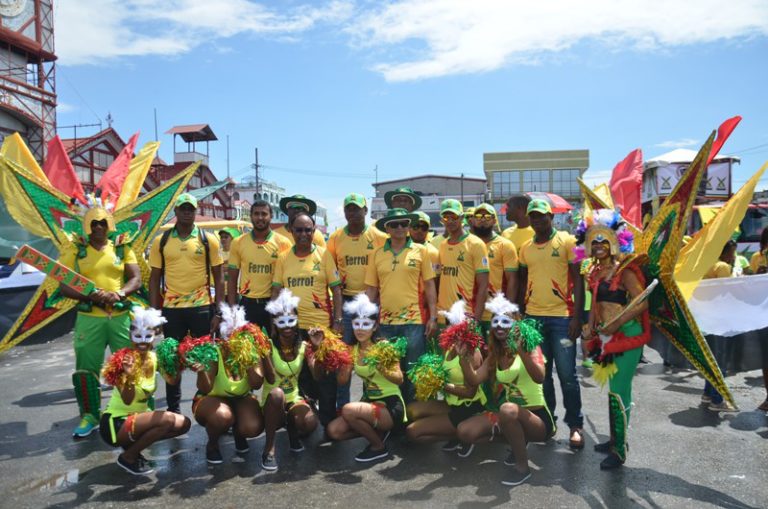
681, 455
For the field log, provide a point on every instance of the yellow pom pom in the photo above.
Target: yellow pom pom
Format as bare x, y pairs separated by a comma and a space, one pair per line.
603, 373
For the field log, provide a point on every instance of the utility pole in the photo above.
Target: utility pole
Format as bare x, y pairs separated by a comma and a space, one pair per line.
462, 189
376, 171
227, 156
256, 167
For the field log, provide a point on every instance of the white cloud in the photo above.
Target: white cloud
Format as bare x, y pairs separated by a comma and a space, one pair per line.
459, 36
62, 107
683, 142
92, 31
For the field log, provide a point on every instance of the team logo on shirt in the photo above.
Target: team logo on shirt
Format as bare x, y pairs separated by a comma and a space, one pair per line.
199, 250
484, 261
460, 258
274, 255
316, 267
370, 245
555, 252
412, 262
490, 253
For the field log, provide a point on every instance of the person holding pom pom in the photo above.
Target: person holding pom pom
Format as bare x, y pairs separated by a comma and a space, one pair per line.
225, 380
438, 420
514, 361
382, 409
128, 422
282, 403
616, 331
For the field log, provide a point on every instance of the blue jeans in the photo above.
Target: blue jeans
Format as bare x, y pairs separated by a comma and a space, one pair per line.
414, 333
342, 391
719, 346
561, 350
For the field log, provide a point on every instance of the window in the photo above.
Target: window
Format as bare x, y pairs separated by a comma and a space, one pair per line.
102, 159
83, 173
536, 181
506, 183
564, 182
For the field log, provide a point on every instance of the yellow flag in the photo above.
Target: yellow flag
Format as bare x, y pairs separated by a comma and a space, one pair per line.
604, 192
137, 172
17, 151
703, 251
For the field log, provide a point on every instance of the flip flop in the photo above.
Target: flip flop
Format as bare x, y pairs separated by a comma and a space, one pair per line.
576, 444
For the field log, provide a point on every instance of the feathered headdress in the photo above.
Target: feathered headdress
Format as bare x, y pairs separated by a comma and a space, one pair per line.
95, 209
144, 322
499, 305
361, 306
461, 330
285, 304
604, 225
232, 317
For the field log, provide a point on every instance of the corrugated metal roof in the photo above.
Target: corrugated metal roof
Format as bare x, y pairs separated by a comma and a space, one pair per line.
193, 132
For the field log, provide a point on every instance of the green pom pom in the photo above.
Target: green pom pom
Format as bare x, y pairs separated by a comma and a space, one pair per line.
168, 356
526, 333
204, 354
400, 344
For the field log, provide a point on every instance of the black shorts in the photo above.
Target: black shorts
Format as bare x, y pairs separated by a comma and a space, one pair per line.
460, 413
543, 414
109, 427
255, 311
394, 406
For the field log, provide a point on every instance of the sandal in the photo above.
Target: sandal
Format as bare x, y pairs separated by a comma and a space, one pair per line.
577, 439
763, 406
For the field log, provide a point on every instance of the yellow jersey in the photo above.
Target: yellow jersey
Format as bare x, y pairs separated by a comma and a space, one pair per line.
549, 290
397, 277
718, 270
459, 263
317, 237
103, 267
758, 260
502, 258
309, 279
518, 236
185, 272
256, 262
352, 254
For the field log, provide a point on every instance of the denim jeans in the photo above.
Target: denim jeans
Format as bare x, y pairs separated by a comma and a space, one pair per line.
719, 347
561, 350
416, 348
342, 391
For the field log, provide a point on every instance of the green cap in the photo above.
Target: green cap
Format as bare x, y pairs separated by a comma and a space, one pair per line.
186, 198
298, 201
403, 191
451, 205
233, 232
540, 206
423, 217
485, 207
355, 199
395, 215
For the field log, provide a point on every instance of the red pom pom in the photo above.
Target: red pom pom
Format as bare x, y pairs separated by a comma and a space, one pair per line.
462, 333
189, 343
113, 370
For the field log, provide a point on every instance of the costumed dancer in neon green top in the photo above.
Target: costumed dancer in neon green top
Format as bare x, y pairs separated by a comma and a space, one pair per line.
283, 405
616, 332
516, 363
438, 420
381, 409
128, 421
224, 398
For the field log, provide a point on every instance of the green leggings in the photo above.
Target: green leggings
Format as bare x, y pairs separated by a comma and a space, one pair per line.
94, 333
621, 382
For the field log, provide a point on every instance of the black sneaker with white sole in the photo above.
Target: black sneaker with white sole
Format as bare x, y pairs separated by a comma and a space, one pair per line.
268, 462
295, 444
138, 468
510, 459
241, 444
465, 450
515, 477
213, 457
452, 445
369, 454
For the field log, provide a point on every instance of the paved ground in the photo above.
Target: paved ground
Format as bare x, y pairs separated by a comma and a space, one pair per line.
681, 456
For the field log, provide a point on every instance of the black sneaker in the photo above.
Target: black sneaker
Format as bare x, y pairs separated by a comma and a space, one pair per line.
213, 457
604, 447
146, 462
465, 450
294, 443
385, 436
515, 477
510, 459
138, 468
611, 462
369, 454
268, 462
452, 445
241, 444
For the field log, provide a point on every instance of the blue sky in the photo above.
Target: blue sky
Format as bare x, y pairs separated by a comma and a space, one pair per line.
334, 89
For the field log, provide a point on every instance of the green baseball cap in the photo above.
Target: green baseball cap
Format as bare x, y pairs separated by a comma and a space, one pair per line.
186, 198
540, 206
233, 232
423, 217
395, 215
355, 199
485, 207
400, 191
298, 201
451, 205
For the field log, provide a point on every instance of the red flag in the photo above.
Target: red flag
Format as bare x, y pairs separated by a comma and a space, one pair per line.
626, 187
60, 172
111, 182
723, 132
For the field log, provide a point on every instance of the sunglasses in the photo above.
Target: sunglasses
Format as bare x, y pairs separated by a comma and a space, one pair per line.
449, 218
302, 230
420, 226
398, 224
484, 217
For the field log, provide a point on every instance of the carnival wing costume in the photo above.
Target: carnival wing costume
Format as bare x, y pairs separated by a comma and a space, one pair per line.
45, 211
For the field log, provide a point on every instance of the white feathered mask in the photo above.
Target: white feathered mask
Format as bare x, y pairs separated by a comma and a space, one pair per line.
502, 310
232, 317
283, 308
144, 323
364, 311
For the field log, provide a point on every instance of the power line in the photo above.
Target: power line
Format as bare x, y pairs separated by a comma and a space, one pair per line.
315, 173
